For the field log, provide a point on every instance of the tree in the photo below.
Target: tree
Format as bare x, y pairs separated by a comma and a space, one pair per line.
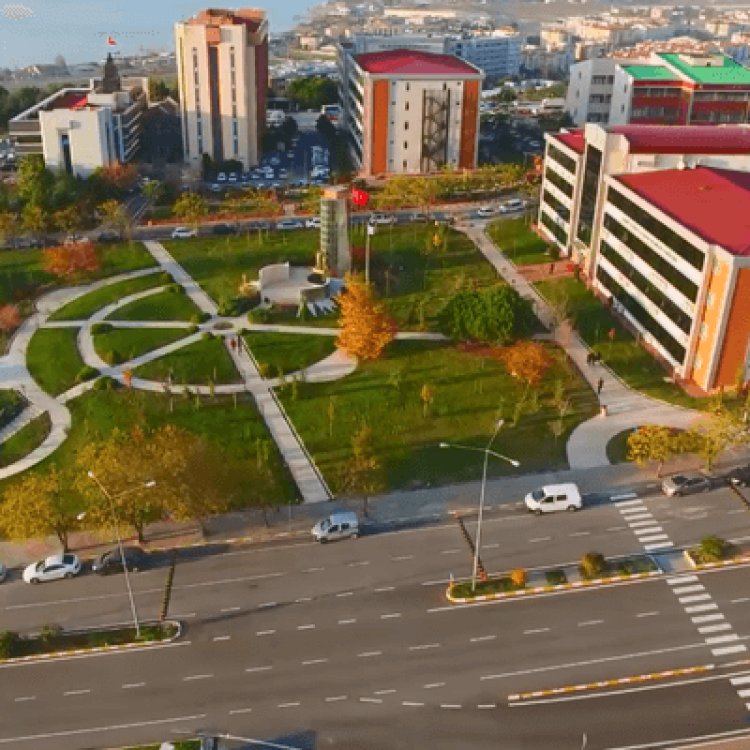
67, 219
312, 92
34, 182
70, 261
38, 505
494, 316
652, 443
527, 361
426, 396
10, 318
326, 128
363, 472
714, 434
119, 176
115, 215
366, 329
153, 190
191, 208
8, 226
34, 219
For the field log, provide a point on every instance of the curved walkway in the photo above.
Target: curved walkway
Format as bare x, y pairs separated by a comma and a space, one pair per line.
626, 408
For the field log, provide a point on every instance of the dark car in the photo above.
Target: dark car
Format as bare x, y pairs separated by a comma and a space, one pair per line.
111, 562
224, 229
685, 484
256, 225
444, 219
740, 477
109, 235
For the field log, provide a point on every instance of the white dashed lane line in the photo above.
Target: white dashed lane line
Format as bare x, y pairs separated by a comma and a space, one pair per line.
431, 685
411, 703
390, 616
194, 677
424, 646
370, 700
588, 623
25, 698
77, 692
647, 614
310, 662
133, 685
240, 711
367, 654
345, 593
293, 704
309, 626
481, 638
532, 631
335, 698
401, 558
541, 539
222, 637
312, 570
387, 691
350, 621
450, 551
265, 632
580, 533
382, 589
267, 668
450, 705
359, 563
229, 609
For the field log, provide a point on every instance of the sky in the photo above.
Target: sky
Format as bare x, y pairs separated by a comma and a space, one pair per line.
36, 31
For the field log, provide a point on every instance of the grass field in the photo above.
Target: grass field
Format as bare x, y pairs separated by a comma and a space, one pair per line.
518, 242
25, 440
196, 364
167, 305
287, 352
11, 404
123, 344
53, 359
470, 393
623, 354
86, 305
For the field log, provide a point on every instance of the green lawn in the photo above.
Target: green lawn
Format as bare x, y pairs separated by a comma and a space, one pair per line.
470, 393
172, 304
617, 447
197, 364
11, 404
53, 359
25, 440
123, 344
86, 305
623, 354
234, 429
518, 242
287, 352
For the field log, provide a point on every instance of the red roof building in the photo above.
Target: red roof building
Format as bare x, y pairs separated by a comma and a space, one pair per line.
409, 62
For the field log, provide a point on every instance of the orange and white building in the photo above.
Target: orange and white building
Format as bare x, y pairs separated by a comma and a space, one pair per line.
222, 74
410, 112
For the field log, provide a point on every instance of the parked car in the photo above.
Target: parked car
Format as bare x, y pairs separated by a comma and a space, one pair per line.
554, 497
685, 484
283, 173
443, 219
275, 161
382, 219
3, 572
485, 211
109, 235
52, 568
75, 239
514, 204
221, 177
184, 233
419, 217
336, 526
111, 562
289, 224
740, 477
215, 187
312, 223
233, 177
260, 224
224, 229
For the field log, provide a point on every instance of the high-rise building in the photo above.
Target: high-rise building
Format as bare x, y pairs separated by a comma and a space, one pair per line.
409, 112
222, 74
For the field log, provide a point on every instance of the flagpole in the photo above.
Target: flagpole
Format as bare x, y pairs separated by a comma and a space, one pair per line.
367, 254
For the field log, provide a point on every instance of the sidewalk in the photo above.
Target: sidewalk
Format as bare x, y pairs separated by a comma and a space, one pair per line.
626, 408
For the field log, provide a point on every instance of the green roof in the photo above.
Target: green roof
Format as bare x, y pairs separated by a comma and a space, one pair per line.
650, 73
730, 73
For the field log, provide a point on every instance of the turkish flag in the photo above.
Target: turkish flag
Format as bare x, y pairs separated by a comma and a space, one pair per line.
111, 42
360, 197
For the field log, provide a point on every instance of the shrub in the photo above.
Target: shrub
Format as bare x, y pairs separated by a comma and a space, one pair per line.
165, 278
175, 288
112, 357
518, 578
260, 315
104, 384
8, 644
556, 577
200, 317
206, 336
101, 328
86, 373
592, 565
193, 329
713, 549
48, 633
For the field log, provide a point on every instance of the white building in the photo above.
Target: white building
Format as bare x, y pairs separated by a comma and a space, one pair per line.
222, 72
590, 90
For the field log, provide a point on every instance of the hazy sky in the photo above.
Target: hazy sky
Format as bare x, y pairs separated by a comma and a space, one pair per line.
35, 31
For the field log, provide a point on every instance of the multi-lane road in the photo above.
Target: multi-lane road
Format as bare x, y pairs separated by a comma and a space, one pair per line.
354, 645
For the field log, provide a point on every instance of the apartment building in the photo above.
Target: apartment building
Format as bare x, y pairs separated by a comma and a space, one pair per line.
82, 129
222, 74
612, 199
669, 88
409, 112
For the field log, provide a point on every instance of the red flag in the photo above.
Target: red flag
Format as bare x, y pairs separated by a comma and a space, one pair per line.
360, 197
111, 42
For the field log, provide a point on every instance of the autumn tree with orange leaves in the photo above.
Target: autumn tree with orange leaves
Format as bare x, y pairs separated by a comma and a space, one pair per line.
366, 329
10, 318
527, 361
69, 261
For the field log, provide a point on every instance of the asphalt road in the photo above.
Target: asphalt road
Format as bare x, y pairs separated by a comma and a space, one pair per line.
353, 645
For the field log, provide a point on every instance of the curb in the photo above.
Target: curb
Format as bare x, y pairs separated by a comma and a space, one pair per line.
547, 589
648, 677
96, 649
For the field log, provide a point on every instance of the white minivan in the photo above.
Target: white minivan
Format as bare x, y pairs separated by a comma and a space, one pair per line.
337, 526
554, 497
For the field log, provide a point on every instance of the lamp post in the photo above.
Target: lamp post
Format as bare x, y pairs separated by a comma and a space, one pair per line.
111, 500
487, 453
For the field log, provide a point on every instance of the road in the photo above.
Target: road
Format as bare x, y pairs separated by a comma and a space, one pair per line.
353, 645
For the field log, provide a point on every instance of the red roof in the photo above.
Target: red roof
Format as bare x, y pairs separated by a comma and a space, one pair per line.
574, 139
713, 203
414, 63
686, 139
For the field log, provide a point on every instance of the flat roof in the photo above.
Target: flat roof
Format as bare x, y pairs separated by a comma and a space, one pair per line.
712, 203
574, 140
686, 139
650, 73
414, 63
728, 74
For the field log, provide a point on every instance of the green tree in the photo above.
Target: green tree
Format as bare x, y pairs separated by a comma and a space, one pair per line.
190, 207
363, 472
34, 182
34, 219
312, 92
154, 191
652, 443
67, 219
115, 215
8, 227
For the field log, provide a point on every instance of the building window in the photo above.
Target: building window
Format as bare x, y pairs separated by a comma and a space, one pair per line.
406, 107
703, 331
408, 86
406, 126
404, 164
710, 299
406, 144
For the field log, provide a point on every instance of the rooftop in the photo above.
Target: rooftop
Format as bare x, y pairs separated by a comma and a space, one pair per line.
250, 17
728, 74
650, 73
414, 63
712, 203
575, 139
685, 139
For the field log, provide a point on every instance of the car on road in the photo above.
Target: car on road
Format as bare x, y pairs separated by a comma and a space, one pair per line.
275, 161
184, 233
111, 562
221, 177
3, 572
233, 177
109, 235
685, 484
312, 223
342, 525
514, 204
283, 173
382, 219
419, 217
484, 212
739, 477
75, 239
52, 568
260, 224
443, 219
286, 224
224, 229
554, 497
215, 188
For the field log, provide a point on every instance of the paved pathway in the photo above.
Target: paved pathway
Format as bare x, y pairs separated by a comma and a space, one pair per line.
626, 408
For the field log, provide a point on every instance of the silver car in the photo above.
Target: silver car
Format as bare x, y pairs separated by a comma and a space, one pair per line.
685, 484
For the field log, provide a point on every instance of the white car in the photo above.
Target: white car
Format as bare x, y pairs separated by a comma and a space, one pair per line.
382, 219
312, 223
183, 233
289, 224
485, 211
52, 568
514, 204
221, 177
233, 177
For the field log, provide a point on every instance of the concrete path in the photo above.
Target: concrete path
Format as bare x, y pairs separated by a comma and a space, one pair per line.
626, 408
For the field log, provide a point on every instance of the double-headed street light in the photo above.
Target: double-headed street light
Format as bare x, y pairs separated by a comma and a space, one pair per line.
487, 453
111, 500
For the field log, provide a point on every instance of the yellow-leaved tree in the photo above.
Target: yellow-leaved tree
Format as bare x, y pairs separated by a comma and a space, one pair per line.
366, 328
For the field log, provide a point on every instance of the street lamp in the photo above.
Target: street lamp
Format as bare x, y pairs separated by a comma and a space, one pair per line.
111, 500
487, 453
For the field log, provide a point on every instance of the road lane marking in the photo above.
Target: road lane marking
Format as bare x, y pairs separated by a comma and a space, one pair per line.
654, 538
647, 530
714, 628
624, 499
292, 704
309, 662
637, 524
240, 711
744, 693
424, 646
450, 705
487, 705
657, 546
345, 593
580, 533
312, 570
399, 558
366, 654
724, 650
84, 691
390, 615
694, 598
131, 685
532, 631
194, 677
480, 638
24, 698
229, 609
347, 622
740, 680
265, 632
222, 637
370, 700
647, 614
387, 691
742, 599
450, 551
384, 588
587, 623
334, 698
309, 626
637, 517
541, 539
701, 608
722, 639
617, 528
707, 618
359, 564
494, 545
259, 669
303, 599
265, 605
411, 703
431, 685
681, 579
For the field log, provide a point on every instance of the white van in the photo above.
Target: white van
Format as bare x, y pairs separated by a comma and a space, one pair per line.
554, 497
514, 204
336, 526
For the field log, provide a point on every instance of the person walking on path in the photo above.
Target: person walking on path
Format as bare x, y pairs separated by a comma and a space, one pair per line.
599, 386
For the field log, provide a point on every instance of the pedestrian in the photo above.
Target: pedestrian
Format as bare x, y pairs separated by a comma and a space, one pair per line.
551, 268
590, 359
599, 386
